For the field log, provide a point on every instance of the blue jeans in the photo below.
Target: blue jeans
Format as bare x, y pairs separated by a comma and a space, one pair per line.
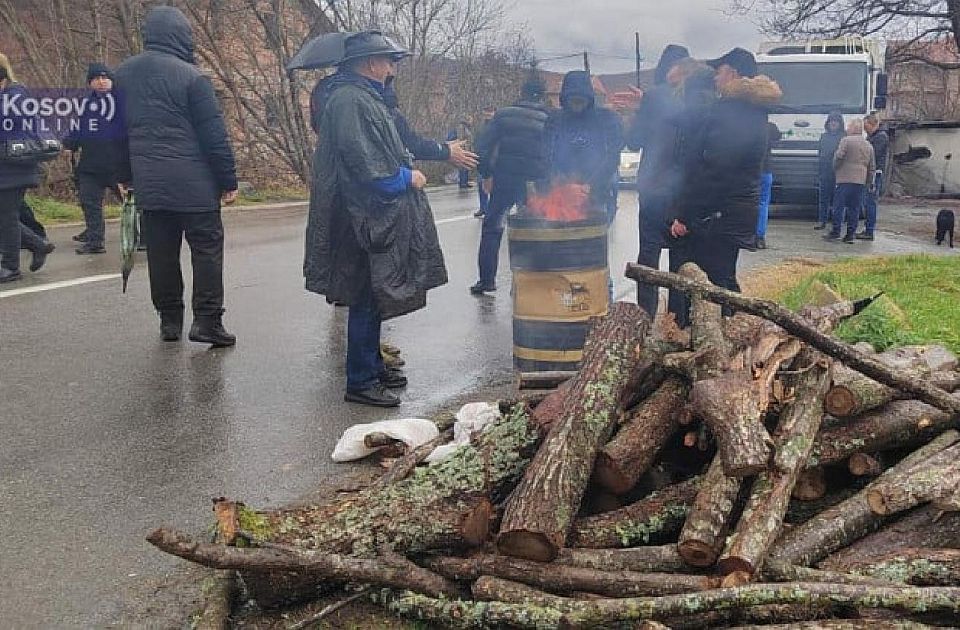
766, 190
484, 198
507, 192
826, 187
870, 203
847, 201
364, 363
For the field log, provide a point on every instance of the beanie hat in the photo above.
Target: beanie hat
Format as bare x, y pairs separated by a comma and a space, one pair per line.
97, 69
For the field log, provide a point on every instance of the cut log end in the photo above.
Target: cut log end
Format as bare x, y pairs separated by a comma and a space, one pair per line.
735, 579
610, 476
734, 568
697, 553
863, 465
476, 524
839, 401
811, 486
528, 545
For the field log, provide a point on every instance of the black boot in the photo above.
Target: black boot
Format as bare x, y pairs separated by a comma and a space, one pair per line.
40, 256
376, 396
91, 248
209, 329
9, 275
81, 237
171, 325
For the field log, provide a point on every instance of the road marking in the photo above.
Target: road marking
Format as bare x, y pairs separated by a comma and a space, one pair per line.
454, 219
58, 285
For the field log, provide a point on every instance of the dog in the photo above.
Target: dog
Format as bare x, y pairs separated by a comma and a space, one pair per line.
945, 221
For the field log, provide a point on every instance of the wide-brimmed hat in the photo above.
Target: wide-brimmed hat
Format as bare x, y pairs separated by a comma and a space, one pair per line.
371, 44
739, 59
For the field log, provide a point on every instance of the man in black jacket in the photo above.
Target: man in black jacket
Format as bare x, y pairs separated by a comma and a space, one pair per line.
100, 151
720, 198
182, 168
653, 130
511, 149
880, 142
834, 129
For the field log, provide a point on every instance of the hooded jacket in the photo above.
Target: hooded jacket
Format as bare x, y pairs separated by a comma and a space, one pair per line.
829, 141
511, 145
180, 158
584, 146
357, 237
725, 161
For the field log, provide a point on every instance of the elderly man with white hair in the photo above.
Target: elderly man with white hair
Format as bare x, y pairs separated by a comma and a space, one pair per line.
854, 165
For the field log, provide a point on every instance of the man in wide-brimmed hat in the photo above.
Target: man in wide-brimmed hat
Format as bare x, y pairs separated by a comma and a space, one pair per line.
371, 242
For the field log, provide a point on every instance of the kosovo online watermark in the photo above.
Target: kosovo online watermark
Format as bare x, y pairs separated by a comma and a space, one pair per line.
59, 112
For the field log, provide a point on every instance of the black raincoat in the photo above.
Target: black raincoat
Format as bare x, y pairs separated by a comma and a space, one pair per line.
357, 237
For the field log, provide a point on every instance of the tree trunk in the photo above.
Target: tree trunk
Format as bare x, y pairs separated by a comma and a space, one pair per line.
924, 528
556, 578
949, 502
843, 624
488, 588
780, 572
654, 558
704, 531
603, 613
762, 519
653, 519
919, 566
539, 513
800, 328
647, 429
392, 570
924, 482
847, 521
549, 411
459, 613
895, 425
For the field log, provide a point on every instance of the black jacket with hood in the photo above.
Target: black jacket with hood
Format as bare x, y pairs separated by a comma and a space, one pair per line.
180, 158
653, 130
14, 175
829, 141
511, 145
584, 146
725, 162
101, 148
357, 237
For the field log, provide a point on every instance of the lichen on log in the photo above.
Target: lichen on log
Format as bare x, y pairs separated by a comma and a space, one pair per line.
708, 520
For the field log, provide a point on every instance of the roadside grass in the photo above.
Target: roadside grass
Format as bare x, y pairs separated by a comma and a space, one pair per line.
51, 211
921, 301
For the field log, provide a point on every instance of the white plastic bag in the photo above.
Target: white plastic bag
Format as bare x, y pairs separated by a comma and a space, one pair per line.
471, 418
411, 431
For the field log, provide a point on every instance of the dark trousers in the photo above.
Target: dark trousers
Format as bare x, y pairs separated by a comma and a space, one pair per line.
652, 227
506, 193
28, 219
364, 363
717, 257
870, 203
826, 186
847, 201
165, 232
91, 189
463, 178
484, 198
10, 201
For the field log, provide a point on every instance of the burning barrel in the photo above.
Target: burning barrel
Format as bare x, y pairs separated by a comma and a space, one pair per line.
559, 282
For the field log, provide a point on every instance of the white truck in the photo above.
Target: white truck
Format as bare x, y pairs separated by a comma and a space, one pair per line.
817, 77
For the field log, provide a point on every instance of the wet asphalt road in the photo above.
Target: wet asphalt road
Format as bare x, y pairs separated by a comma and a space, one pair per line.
108, 432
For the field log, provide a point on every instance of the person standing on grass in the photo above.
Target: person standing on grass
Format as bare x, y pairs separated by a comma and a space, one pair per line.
880, 142
833, 133
182, 168
98, 169
853, 166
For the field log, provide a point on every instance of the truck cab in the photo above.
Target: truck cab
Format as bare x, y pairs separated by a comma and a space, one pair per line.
817, 77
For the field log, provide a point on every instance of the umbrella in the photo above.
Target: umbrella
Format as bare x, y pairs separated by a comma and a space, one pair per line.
322, 51
128, 236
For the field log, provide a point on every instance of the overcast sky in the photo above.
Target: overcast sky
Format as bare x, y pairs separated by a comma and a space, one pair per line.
606, 27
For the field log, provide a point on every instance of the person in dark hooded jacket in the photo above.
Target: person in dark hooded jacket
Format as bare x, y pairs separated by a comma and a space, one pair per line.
511, 150
653, 130
182, 168
15, 179
583, 141
101, 149
719, 202
371, 241
833, 131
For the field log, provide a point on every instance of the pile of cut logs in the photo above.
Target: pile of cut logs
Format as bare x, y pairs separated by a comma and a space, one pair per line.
748, 470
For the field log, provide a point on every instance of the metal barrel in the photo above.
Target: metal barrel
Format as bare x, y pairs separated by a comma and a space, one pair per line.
560, 275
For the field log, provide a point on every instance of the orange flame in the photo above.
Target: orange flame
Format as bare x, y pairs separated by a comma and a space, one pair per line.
563, 202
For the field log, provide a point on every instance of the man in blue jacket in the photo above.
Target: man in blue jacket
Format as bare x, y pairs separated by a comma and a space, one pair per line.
182, 168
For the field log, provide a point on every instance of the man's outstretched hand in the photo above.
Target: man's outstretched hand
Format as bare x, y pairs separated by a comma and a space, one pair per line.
461, 157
